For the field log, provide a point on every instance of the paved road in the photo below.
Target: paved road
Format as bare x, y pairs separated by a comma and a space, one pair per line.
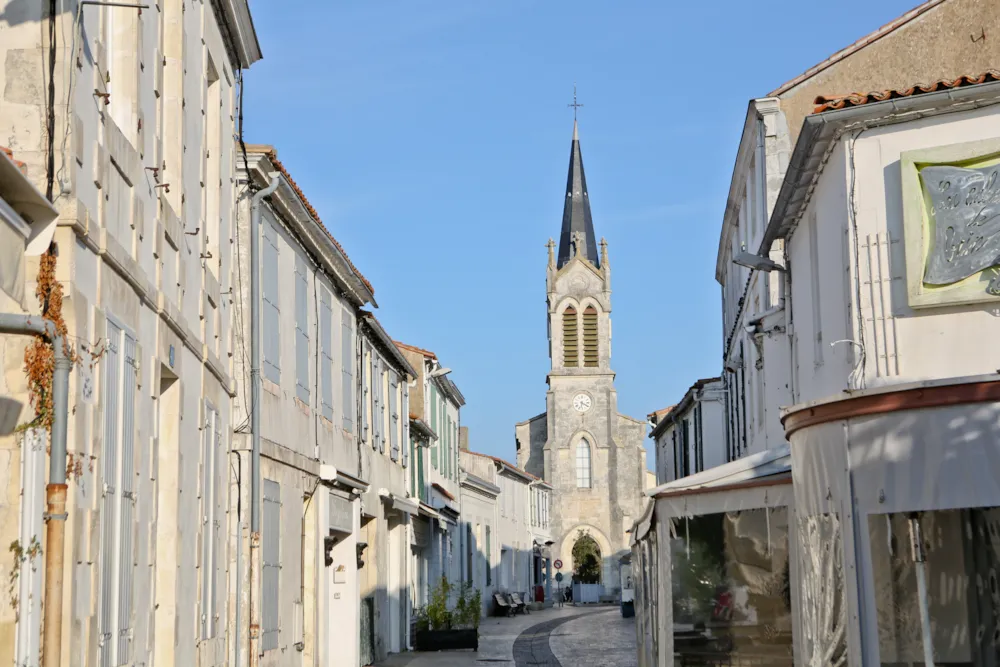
568, 637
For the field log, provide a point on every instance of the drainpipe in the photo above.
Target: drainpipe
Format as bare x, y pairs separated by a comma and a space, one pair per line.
920, 561
255, 387
55, 491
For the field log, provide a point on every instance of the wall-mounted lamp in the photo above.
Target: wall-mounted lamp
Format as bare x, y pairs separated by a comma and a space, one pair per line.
756, 262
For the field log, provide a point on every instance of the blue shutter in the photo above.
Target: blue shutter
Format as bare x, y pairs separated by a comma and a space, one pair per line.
270, 314
393, 416
109, 504
326, 353
376, 401
366, 390
347, 351
270, 572
301, 331
381, 406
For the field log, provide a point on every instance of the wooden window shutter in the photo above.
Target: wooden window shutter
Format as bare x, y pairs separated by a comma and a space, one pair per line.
393, 416
326, 357
571, 338
347, 361
301, 330
271, 313
590, 350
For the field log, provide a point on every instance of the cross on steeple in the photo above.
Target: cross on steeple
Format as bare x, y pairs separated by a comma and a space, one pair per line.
574, 105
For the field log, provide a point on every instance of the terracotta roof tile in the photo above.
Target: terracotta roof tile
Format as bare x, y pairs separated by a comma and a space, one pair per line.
660, 413
414, 348
443, 491
857, 99
272, 155
497, 459
23, 166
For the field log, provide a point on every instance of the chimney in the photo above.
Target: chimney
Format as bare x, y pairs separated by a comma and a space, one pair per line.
463, 438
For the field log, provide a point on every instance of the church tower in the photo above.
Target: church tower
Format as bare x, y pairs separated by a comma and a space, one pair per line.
592, 456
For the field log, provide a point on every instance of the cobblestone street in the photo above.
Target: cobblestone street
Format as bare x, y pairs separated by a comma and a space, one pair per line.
568, 637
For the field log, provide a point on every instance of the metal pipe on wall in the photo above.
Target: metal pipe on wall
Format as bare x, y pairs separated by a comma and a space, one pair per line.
255, 387
55, 491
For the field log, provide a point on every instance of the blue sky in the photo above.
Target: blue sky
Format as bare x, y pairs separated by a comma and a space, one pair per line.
433, 138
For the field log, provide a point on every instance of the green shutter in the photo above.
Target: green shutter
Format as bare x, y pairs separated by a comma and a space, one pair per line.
421, 486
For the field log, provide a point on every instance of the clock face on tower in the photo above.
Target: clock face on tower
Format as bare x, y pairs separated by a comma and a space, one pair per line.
581, 402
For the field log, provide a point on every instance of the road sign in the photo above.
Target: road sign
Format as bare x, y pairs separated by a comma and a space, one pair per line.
559, 577
558, 564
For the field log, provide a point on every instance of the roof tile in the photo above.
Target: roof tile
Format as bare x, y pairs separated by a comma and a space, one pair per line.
824, 103
272, 155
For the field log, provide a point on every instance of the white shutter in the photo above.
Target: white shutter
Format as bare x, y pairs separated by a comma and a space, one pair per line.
271, 313
326, 353
393, 416
347, 352
109, 504
301, 331
209, 463
126, 563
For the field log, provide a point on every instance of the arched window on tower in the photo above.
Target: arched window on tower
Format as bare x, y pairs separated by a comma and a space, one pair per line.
590, 350
583, 464
571, 338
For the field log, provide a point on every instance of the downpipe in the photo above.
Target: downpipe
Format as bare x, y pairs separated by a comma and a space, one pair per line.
255, 390
55, 491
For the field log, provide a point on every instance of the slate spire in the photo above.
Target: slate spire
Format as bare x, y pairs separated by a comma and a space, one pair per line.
577, 225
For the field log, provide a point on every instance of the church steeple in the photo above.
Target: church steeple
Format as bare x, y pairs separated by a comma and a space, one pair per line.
577, 225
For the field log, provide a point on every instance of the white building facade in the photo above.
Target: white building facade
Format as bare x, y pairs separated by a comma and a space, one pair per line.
136, 153
691, 436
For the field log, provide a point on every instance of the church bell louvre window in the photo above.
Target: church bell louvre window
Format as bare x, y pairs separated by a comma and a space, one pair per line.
571, 339
583, 465
590, 337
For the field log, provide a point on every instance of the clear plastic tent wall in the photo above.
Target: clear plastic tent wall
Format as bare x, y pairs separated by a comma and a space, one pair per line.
724, 567
898, 526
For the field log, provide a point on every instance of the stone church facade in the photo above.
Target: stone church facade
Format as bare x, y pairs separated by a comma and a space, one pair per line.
591, 455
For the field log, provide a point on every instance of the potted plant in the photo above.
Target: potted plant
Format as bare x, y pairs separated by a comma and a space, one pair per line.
442, 629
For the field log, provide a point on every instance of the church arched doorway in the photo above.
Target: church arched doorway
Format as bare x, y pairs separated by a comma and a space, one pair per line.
587, 560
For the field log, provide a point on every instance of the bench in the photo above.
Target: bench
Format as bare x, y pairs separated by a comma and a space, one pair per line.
519, 604
503, 608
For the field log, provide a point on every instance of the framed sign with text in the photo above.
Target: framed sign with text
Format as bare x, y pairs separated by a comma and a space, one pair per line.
951, 223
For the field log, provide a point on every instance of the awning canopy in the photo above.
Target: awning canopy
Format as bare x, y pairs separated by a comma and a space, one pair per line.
755, 481
401, 504
777, 461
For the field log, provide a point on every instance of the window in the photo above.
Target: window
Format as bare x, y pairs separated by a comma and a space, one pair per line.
590, 349
468, 555
212, 513
571, 343
583, 464
118, 504
347, 354
271, 555
271, 314
393, 416
326, 353
301, 330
